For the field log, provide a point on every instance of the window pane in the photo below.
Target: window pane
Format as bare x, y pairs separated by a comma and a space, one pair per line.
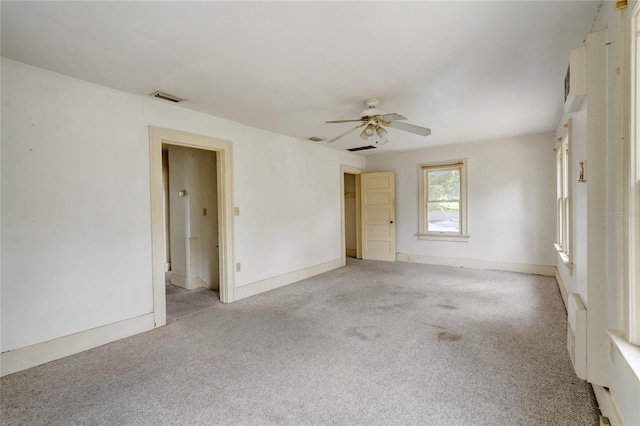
443, 217
443, 185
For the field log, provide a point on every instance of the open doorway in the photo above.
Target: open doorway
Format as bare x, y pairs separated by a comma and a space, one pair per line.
350, 211
211, 266
350, 216
190, 212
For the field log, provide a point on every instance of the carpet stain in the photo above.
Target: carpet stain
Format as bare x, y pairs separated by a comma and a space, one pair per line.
449, 337
447, 306
363, 333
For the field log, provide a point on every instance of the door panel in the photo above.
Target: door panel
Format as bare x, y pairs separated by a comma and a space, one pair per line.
378, 216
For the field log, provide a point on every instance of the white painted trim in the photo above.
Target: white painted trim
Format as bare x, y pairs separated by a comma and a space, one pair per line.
564, 257
624, 376
344, 169
224, 162
629, 171
630, 353
423, 231
607, 406
40, 353
563, 289
525, 268
455, 238
258, 287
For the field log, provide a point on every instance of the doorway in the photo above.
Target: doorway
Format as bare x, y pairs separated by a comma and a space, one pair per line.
350, 212
350, 216
180, 242
191, 229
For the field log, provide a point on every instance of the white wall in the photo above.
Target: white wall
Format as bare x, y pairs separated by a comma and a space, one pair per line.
511, 200
76, 203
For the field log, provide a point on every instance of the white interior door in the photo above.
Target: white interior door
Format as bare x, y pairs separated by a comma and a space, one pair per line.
378, 216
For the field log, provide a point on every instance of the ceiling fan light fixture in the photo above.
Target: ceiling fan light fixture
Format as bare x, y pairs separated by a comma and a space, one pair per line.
367, 132
382, 132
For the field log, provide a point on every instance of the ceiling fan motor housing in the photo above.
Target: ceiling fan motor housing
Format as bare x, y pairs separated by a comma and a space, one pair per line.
371, 110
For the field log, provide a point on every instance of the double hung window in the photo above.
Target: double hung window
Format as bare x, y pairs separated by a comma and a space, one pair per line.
443, 201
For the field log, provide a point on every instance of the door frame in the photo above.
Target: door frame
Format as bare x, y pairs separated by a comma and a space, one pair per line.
344, 169
224, 161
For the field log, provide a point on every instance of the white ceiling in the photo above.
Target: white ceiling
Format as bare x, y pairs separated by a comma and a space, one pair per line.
470, 71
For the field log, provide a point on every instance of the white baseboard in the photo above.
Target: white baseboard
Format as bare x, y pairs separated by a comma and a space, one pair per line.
563, 289
525, 268
40, 353
258, 287
606, 405
190, 283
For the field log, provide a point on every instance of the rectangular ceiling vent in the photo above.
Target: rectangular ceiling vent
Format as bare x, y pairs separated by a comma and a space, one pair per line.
166, 96
361, 148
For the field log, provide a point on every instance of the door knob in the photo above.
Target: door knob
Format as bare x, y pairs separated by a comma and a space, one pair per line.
391, 221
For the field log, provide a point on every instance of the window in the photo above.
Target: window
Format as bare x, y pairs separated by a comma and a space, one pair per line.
443, 201
631, 184
563, 196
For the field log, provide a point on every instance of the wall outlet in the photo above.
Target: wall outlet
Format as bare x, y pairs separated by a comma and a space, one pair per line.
238, 267
236, 211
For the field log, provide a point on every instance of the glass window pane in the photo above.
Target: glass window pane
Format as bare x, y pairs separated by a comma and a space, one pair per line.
443, 185
443, 217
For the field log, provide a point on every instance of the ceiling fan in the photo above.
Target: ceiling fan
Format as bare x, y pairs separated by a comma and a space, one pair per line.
374, 122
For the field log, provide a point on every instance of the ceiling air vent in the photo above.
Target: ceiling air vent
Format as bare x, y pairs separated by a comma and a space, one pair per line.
361, 148
166, 96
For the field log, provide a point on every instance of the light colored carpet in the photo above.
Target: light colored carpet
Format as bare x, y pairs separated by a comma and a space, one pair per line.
374, 343
182, 302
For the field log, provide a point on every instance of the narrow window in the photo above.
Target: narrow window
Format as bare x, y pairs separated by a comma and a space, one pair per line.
563, 196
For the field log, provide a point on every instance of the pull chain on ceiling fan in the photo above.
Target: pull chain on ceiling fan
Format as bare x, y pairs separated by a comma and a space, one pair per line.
374, 122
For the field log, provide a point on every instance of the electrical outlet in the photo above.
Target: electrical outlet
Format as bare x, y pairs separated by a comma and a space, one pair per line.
238, 267
236, 211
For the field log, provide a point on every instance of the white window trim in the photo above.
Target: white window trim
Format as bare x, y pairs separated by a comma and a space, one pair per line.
564, 215
629, 163
423, 234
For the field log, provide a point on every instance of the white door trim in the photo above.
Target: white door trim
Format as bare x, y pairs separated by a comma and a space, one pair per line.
224, 160
344, 169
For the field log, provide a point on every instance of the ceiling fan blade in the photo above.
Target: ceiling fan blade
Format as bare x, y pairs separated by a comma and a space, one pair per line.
344, 134
422, 131
392, 117
344, 121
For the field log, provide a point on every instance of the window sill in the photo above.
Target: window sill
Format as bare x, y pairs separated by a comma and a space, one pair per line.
444, 237
564, 256
630, 352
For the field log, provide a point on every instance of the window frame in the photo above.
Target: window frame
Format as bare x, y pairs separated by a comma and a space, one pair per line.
564, 207
629, 163
423, 170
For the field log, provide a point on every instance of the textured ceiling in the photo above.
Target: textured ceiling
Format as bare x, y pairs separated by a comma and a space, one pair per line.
470, 71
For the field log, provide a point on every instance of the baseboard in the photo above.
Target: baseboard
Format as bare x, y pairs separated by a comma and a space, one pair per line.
525, 268
606, 405
40, 353
563, 289
178, 280
258, 287
190, 283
